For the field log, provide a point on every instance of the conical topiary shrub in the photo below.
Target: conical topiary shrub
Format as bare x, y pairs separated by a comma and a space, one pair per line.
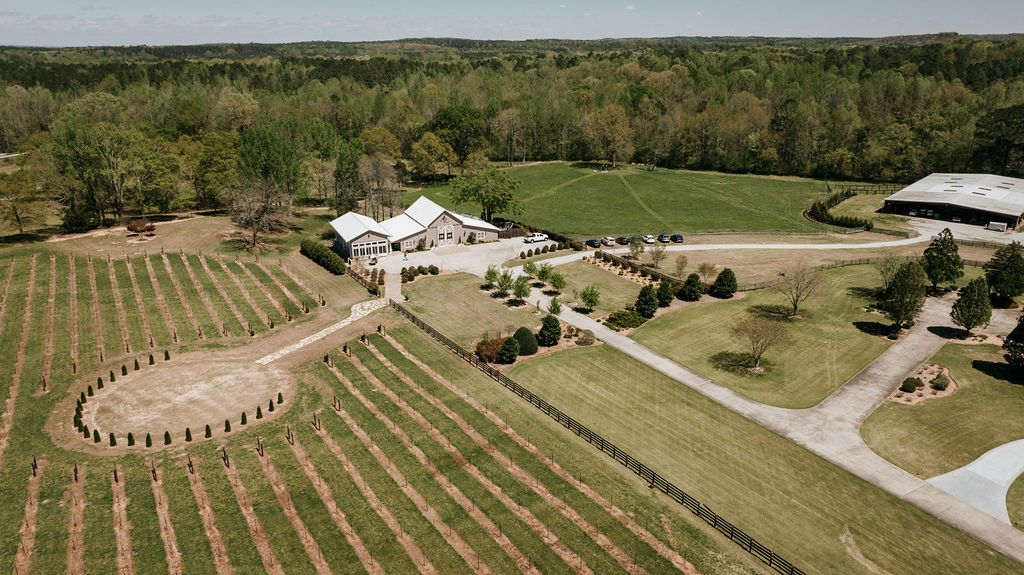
111, 376
188, 434
270, 405
131, 439
124, 369
280, 398
95, 436
245, 420
167, 355
209, 432
99, 383
227, 426
136, 365
259, 412
151, 359
167, 438
149, 440
113, 440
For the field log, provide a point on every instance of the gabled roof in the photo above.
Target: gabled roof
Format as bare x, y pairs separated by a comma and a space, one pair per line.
985, 192
352, 225
401, 226
474, 222
424, 211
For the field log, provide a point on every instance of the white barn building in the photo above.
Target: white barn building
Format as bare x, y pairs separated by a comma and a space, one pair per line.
358, 236
969, 198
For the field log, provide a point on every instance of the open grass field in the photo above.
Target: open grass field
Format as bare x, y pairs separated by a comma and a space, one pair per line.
560, 197
867, 206
794, 501
1015, 503
940, 435
616, 292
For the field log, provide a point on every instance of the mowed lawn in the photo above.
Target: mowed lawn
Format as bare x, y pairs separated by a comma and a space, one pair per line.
826, 348
867, 206
616, 292
791, 500
581, 202
1015, 503
457, 307
940, 435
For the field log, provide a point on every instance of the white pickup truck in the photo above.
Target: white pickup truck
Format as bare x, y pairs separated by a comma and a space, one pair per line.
535, 237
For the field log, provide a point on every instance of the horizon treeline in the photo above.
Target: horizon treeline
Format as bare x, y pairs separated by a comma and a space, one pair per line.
184, 132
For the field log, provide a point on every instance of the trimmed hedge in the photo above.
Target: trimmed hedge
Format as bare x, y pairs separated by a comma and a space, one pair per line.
819, 212
323, 256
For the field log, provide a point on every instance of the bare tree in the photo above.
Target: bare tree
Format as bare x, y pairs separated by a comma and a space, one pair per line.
377, 174
760, 334
887, 266
680, 266
706, 270
798, 284
508, 126
657, 255
259, 206
636, 246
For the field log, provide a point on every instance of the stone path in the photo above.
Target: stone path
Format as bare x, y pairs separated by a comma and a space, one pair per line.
359, 311
984, 482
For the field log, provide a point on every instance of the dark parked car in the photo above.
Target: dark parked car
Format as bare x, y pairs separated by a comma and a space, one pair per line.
593, 243
663, 238
622, 240
677, 238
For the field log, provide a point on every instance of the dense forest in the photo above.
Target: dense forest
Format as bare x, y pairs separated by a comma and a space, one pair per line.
121, 130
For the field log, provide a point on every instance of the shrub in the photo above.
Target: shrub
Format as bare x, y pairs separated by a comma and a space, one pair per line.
555, 307
89, 391
95, 436
85, 431
324, 256
646, 302
522, 255
99, 383
585, 337
227, 426
149, 440
527, 341
280, 398
82, 398
259, 412
112, 376
209, 432
136, 365
373, 275
124, 369
421, 270
131, 439
167, 355
509, 350
140, 225
550, 331
544, 250
188, 434
940, 382
489, 350
433, 270
113, 440
151, 362
725, 285
167, 438
529, 253
245, 420
270, 405
666, 293
422, 244
380, 277
626, 318
910, 385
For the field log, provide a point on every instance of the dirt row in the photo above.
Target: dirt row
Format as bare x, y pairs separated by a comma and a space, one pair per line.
298, 281
266, 291
284, 289
241, 288
524, 514
203, 296
73, 312
163, 514
285, 500
523, 476
340, 520
76, 528
161, 302
139, 301
213, 535
223, 293
407, 542
426, 510
7, 289
51, 312
181, 297
122, 320
669, 553
122, 528
256, 531
23, 559
7, 419
97, 321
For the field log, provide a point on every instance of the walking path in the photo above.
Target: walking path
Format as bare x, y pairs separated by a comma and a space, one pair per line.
359, 311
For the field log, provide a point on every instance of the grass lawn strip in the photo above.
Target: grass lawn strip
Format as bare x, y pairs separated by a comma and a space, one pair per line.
268, 292
525, 477
97, 319
23, 560
73, 312
207, 325
140, 302
51, 539
76, 528
122, 528
259, 536
213, 534
1015, 503
252, 287
203, 296
172, 322
115, 339
451, 536
139, 334
115, 293
260, 312
233, 291
163, 513
146, 544
7, 419
101, 545
423, 565
616, 292
285, 500
393, 349
568, 556
337, 515
282, 282
207, 277
51, 314
182, 300
939, 435
7, 289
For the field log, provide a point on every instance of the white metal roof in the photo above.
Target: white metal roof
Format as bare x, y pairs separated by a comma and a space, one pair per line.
352, 225
474, 222
985, 192
401, 227
424, 211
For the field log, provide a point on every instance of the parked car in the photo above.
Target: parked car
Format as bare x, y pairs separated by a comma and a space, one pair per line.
535, 237
664, 238
592, 243
608, 241
677, 238
622, 240
648, 239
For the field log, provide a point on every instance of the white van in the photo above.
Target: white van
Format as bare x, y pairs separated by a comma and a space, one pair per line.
996, 226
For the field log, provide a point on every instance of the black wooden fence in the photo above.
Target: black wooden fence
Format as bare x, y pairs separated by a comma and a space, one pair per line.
843, 264
655, 480
366, 283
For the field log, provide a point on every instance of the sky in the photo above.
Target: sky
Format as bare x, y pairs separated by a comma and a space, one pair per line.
129, 22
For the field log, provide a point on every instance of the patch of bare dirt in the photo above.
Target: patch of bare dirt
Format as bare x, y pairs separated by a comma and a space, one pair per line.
285, 500
76, 529
7, 419
926, 373
203, 296
181, 296
122, 528
220, 552
73, 311
324, 490
223, 294
97, 321
259, 535
980, 339
139, 301
160, 301
163, 515
119, 305
23, 558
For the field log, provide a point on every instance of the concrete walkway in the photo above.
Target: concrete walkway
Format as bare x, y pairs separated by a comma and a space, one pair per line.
984, 482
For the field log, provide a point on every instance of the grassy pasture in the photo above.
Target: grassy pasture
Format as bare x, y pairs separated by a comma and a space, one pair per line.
940, 435
616, 292
579, 202
1015, 503
867, 206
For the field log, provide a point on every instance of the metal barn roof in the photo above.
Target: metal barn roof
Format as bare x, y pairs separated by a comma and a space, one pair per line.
984, 192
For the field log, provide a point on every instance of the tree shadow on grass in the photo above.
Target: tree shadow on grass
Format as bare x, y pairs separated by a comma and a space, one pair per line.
873, 327
999, 370
737, 363
870, 294
582, 310
770, 311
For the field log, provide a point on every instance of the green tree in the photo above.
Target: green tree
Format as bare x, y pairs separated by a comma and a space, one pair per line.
906, 295
131, 439
505, 283
509, 350
379, 140
1005, 271
999, 141
348, 186
544, 271
973, 308
555, 307
209, 432
1014, 345
609, 134
590, 297
95, 436
227, 426
216, 169
429, 153
149, 440
557, 282
725, 284
666, 293
259, 412
113, 440
21, 202
530, 269
188, 434
941, 261
494, 190
527, 341
490, 276
521, 287
463, 128
167, 438
550, 330
245, 420
647, 301
692, 288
